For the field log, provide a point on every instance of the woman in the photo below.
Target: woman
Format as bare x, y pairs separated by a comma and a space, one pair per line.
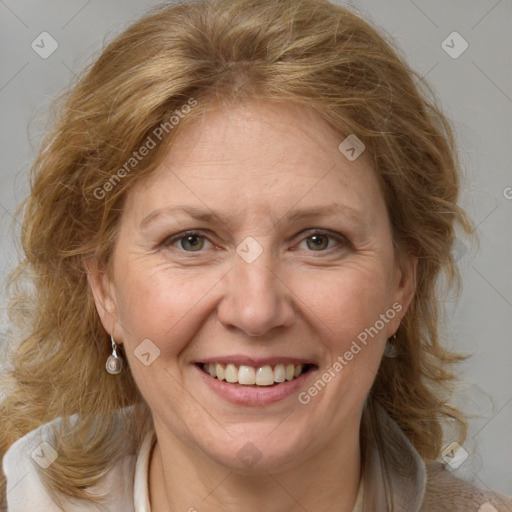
234, 234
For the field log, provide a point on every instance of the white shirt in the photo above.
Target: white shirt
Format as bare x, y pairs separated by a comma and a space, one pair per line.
394, 475
26, 492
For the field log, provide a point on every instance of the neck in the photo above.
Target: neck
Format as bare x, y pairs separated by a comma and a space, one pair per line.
183, 480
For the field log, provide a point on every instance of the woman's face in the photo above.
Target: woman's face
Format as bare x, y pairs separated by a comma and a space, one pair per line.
290, 262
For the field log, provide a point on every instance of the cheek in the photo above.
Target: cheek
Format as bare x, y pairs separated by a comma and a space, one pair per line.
347, 300
162, 304
350, 310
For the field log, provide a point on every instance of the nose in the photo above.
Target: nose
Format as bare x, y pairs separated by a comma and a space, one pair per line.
256, 298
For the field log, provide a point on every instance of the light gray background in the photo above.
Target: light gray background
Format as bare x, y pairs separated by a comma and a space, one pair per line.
476, 92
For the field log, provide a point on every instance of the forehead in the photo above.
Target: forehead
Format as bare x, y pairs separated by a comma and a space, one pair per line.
260, 159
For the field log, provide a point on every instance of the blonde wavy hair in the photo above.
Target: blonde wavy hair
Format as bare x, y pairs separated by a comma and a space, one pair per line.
306, 52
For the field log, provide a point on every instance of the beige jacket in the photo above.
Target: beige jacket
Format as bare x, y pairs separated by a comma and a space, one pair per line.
395, 479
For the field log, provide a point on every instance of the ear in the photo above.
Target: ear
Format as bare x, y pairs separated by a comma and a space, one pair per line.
104, 297
404, 288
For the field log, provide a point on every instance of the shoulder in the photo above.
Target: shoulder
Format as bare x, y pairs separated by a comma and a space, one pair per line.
25, 490
446, 492
34, 453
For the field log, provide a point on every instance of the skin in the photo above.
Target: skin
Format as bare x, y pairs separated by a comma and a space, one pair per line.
253, 165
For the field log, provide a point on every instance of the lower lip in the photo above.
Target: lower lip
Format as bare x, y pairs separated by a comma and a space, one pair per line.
253, 395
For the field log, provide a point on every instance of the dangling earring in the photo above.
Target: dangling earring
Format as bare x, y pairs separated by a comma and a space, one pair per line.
114, 363
390, 350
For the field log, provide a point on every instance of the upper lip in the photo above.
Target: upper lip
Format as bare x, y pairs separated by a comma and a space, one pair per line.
256, 362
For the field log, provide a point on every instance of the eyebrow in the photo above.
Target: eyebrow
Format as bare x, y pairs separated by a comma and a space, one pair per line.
292, 216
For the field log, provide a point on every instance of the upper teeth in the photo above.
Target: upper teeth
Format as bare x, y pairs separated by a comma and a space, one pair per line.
248, 375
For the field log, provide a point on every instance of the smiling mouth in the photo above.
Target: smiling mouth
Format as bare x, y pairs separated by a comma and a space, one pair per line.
264, 376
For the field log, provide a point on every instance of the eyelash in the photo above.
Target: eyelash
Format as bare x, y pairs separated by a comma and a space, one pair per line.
169, 241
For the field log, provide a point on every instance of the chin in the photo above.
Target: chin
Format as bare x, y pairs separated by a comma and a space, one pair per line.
251, 454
